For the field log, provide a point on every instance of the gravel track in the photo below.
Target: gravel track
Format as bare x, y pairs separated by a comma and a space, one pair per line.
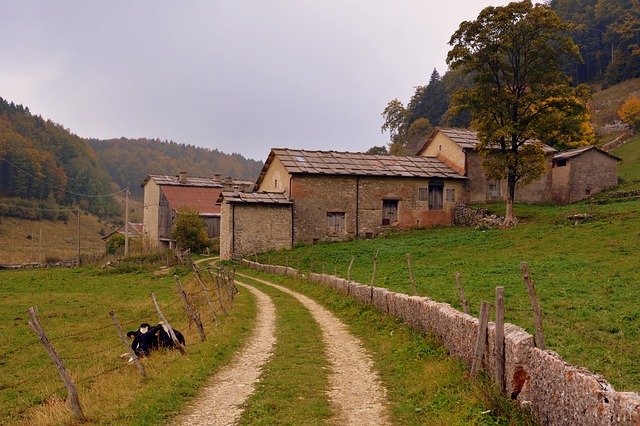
356, 393
220, 402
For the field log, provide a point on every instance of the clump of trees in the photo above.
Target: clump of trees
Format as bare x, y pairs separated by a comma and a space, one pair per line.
189, 231
520, 93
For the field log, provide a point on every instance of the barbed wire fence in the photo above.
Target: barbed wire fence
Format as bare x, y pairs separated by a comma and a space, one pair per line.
49, 377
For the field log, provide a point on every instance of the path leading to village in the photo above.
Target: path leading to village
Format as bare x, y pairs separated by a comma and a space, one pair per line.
355, 393
220, 402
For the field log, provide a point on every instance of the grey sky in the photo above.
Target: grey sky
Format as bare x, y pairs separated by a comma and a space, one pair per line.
239, 76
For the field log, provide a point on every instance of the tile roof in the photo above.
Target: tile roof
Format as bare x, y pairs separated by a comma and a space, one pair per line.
191, 181
299, 161
202, 199
577, 151
254, 197
466, 139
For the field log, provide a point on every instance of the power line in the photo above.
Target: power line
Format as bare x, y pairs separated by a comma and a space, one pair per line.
62, 189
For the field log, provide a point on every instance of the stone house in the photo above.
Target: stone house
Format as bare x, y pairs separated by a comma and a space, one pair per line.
341, 195
457, 148
165, 195
582, 172
254, 222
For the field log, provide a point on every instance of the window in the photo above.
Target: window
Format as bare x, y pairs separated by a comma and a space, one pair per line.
423, 194
275, 183
493, 188
560, 162
335, 223
389, 211
435, 196
451, 195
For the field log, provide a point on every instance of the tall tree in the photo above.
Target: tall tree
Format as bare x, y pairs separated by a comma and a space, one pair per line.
516, 53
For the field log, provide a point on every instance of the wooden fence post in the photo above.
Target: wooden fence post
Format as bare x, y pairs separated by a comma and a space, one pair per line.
74, 401
126, 344
463, 299
191, 311
353, 258
214, 318
499, 349
481, 341
537, 311
375, 266
411, 278
218, 279
166, 324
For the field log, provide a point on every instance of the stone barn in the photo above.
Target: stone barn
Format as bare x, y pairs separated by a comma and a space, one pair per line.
254, 222
165, 195
580, 173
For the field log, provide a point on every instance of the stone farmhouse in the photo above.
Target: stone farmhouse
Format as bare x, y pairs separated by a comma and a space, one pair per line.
309, 196
165, 195
570, 175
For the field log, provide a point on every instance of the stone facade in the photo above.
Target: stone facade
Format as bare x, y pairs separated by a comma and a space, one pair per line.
588, 171
247, 228
579, 176
361, 202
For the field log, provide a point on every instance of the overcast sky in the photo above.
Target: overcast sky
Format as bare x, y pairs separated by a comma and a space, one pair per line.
239, 76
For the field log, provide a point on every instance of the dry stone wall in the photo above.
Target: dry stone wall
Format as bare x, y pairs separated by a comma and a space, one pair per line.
556, 392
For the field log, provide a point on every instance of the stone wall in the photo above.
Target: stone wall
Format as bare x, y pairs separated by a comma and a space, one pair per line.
556, 392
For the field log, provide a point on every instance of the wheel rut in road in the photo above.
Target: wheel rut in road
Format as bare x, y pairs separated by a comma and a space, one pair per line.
356, 393
220, 402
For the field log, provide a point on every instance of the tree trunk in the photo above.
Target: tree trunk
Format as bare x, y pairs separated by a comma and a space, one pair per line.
510, 216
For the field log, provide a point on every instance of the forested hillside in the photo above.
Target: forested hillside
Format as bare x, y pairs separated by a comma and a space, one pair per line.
607, 32
42, 161
129, 161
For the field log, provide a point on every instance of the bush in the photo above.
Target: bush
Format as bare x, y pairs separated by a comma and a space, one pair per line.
115, 242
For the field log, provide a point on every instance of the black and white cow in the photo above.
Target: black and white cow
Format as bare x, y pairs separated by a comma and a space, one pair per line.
147, 338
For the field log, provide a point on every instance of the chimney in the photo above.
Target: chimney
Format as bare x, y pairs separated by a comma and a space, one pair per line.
236, 190
183, 177
216, 177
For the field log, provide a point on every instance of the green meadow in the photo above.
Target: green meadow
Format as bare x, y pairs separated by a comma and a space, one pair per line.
586, 274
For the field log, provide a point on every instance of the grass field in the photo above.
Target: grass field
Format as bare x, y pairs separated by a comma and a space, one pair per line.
629, 169
425, 386
74, 306
586, 274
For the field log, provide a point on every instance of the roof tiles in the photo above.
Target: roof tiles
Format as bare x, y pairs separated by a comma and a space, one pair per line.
359, 164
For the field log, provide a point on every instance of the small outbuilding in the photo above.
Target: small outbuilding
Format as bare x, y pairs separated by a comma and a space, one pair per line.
254, 222
579, 173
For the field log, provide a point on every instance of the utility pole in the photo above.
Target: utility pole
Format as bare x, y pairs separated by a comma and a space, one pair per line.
126, 223
78, 238
40, 246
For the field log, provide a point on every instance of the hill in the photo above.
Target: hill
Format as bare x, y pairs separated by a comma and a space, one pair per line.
604, 108
129, 161
41, 160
